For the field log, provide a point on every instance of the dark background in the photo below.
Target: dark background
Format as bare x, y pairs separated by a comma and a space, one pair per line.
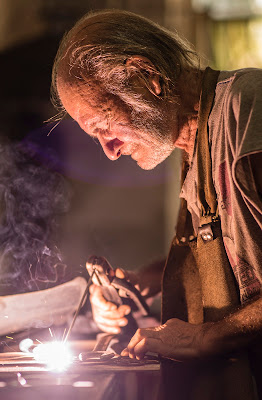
117, 210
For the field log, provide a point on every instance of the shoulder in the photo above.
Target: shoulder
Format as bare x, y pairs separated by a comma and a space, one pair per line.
238, 92
242, 85
242, 98
241, 78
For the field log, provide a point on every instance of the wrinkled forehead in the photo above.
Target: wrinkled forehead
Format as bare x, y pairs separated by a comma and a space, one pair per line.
81, 91
88, 98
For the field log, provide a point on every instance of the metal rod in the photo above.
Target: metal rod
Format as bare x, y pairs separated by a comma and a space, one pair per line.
79, 306
97, 277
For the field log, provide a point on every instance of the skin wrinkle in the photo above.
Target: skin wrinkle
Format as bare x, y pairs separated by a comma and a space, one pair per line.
149, 137
148, 119
87, 106
104, 53
91, 48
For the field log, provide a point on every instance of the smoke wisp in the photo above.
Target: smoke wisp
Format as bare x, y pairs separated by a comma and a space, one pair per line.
32, 197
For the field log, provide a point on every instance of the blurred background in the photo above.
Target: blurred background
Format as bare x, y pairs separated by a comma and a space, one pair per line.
117, 210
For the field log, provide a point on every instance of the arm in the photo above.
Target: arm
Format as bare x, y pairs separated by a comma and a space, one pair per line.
236, 331
180, 340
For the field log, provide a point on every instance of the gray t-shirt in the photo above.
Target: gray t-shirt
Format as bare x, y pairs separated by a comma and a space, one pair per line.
235, 133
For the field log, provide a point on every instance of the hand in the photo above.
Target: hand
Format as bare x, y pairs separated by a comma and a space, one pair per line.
147, 279
108, 316
137, 280
176, 339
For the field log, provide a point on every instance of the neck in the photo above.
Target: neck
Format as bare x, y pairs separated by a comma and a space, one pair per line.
189, 87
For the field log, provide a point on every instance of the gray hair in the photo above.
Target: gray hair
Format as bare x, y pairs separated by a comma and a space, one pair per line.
98, 46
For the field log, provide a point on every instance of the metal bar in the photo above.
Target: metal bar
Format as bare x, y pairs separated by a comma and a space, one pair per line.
79, 306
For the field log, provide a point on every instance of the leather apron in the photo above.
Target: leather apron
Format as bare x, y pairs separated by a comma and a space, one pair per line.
199, 286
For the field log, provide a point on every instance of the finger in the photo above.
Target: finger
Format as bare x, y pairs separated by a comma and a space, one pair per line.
126, 274
145, 345
118, 313
101, 319
97, 299
109, 329
122, 293
94, 278
148, 344
139, 336
121, 273
125, 352
130, 276
93, 288
138, 351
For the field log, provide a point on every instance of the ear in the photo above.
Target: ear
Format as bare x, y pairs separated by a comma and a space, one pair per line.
143, 64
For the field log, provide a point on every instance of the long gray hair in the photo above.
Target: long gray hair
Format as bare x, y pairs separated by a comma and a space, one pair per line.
98, 46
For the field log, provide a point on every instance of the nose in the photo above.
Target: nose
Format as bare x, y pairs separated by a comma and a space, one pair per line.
111, 147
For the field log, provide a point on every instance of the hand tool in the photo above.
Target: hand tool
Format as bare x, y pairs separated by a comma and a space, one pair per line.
105, 276
101, 273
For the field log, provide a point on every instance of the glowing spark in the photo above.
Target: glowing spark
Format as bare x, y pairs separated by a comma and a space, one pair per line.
9, 337
50, 332
38, 341
64, 334
56, 355
83, 384
21, 380
26, 345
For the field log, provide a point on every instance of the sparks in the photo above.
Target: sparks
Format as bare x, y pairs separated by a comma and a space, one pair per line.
56, 355
64, 334
26, 345
83, 384
21, 379
9, 337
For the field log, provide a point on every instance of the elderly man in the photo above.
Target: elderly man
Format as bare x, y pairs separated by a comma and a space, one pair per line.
138, 90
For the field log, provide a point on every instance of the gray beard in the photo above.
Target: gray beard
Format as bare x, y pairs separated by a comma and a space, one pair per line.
153, 121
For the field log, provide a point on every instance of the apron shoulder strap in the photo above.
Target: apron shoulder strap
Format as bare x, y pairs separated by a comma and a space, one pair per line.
205, 187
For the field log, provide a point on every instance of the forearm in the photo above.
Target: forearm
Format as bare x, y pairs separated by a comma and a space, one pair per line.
234, 332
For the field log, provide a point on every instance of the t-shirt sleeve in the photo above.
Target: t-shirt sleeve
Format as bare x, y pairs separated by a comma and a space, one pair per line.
246, 103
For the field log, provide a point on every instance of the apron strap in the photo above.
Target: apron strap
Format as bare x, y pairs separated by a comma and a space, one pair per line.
205, 188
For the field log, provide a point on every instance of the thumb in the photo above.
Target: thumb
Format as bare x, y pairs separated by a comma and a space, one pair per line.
152, 345
97, 299
126, 274
130, 276
121, 273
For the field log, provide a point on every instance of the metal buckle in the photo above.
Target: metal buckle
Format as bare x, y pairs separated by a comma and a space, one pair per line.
206, 233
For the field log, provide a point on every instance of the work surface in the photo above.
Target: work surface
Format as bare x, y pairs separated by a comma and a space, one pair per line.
98, 375
23, 378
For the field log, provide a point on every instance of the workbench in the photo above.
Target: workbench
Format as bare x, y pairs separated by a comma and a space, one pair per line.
22, 378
